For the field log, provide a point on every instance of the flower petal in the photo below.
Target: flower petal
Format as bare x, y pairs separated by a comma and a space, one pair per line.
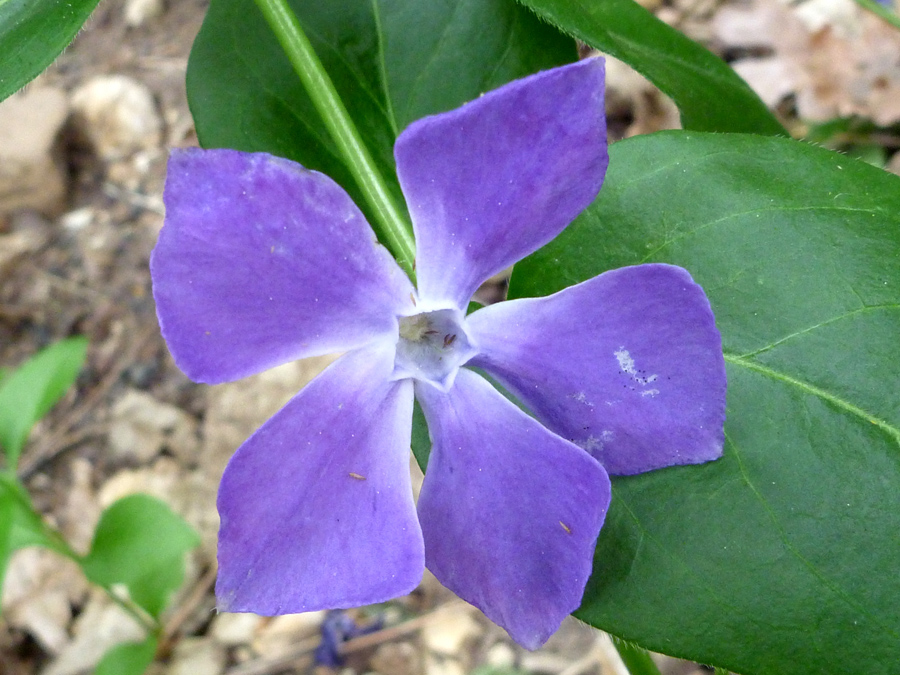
498, 178
628, 365
261, 262
317, 507
510, 512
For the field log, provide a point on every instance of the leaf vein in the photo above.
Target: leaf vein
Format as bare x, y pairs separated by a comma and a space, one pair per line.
821, 324
730, 216
884, 425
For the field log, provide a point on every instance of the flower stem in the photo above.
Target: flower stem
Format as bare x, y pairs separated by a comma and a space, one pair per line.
880, 11
636, 659
320, 88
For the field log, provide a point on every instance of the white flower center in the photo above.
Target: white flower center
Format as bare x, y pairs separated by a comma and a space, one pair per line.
432, 346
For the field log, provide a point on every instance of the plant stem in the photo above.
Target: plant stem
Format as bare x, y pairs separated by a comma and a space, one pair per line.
636, 659
321, 90
881, 12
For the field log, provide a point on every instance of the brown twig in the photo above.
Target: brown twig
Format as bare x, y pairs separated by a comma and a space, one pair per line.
184, 610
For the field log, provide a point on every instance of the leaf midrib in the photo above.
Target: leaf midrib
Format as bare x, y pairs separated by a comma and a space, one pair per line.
806, 387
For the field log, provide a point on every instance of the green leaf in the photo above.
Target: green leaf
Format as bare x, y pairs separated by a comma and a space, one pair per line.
7, 513
392, 61
27, 525
20, 524
421, 440
33, 33
781, 557
140, 542
709, 94
28, 393
130, 658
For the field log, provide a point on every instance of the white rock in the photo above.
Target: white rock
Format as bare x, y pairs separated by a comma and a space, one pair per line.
38, 592
142, 425
101, 626
159, 480
501, 655
118, 114
32, 175
450, 630
138, 12
232, 630
197, 656
280, 635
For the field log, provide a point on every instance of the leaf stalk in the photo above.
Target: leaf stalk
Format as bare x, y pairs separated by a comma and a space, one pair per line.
392, 224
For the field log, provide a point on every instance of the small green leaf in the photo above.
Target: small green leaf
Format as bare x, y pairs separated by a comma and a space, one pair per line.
7, 511
140, 542
20, 524
709, 94
33, 33
27, 527
391, 61
130, 658
28, 393
781, 557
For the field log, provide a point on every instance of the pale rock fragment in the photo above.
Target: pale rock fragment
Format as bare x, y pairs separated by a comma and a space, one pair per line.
32, 173
119, 115
451, 630
197, 656
500, 656
28, 232
143, 425
232, 630
39, 590
101, 626
139, 12
397, 658
279, 636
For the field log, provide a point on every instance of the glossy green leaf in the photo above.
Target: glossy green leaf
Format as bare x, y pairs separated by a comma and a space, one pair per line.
392, 61
28, 393
130, 658
33, 33
709, 94
140, 542
781, 558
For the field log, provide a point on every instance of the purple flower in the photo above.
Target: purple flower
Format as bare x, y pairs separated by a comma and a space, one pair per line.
262, 261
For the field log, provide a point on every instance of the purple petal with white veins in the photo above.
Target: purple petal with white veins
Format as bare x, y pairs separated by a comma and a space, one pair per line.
492, 181
317, 508
510, 511
261, 261
628, 365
